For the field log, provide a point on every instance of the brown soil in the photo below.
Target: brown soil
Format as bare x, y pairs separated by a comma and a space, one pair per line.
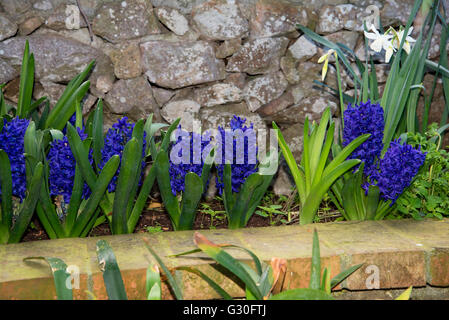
156, 219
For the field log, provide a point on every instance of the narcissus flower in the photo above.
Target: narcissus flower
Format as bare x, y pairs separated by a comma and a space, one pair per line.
381, 41
325, 58
397, 39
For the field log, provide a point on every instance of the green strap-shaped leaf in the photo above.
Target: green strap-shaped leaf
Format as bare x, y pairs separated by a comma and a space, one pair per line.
190, 200
343, 275
317, 193
129, 170
173, 284
233, 265
6, 188
65, 106
228, 196
163, 181
98, 191
111, 273
97, 134
238, 215
60, 276
145, 190
298, 175
302, 294
26, 83
153, 283
315, 272
27, 209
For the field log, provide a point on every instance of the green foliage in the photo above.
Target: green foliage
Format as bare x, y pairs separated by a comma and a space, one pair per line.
428, 195
213, 214
316, 174
241, 206
261, 281
271, 211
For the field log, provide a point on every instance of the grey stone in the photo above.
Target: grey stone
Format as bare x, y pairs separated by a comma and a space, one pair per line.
7, 73
188, 110
220, 20
7, 27
173, 20
228, 48
175, 65
126, 60
65, 16
303, 49
59, 59
274, 18
221, 116
184, 6
124, 20
30, 25
258, 56
264, 89
131, 97
53, 92
219, 93
311, 107
162, 95
396, 11
283, 186
343, 16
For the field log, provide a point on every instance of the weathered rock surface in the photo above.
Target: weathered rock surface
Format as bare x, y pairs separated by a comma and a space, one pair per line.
220, 93
7, 73
311, 107
274, 17
126, 60
228, 48
29, 25
396, 11
65, 16
188, 110
184, 6
222, 115
220, 20
7, 27
303, 49
264, 89
343, 16
173, 20
124, 20
59, 59
175, 65
258, 56
162, 96
132, 97
53, 92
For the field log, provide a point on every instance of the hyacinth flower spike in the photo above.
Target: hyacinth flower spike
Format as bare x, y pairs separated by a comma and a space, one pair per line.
242, 185
185, 175
13, 145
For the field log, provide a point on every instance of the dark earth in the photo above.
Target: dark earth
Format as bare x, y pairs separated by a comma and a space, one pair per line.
155, 219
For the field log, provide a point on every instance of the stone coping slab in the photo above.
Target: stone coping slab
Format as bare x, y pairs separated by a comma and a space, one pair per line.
396, 254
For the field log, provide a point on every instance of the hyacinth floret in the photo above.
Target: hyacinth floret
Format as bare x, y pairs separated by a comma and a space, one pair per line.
396, 170
194, 162
12, 142
114, 143
362, 119
62, 165
239, 171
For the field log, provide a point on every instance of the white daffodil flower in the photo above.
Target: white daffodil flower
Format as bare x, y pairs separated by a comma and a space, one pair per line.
325, 58
397, 39
381, 41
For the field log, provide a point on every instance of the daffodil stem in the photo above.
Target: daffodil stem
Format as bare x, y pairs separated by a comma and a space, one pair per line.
342, 105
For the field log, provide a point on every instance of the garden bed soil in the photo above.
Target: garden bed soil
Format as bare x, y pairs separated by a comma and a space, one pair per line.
155, 219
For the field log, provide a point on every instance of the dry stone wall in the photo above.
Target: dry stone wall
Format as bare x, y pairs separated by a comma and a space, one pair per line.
202, 60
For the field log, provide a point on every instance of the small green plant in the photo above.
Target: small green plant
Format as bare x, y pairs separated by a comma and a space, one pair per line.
213, 214
315, 174
270, 212
428, 195
154, 229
